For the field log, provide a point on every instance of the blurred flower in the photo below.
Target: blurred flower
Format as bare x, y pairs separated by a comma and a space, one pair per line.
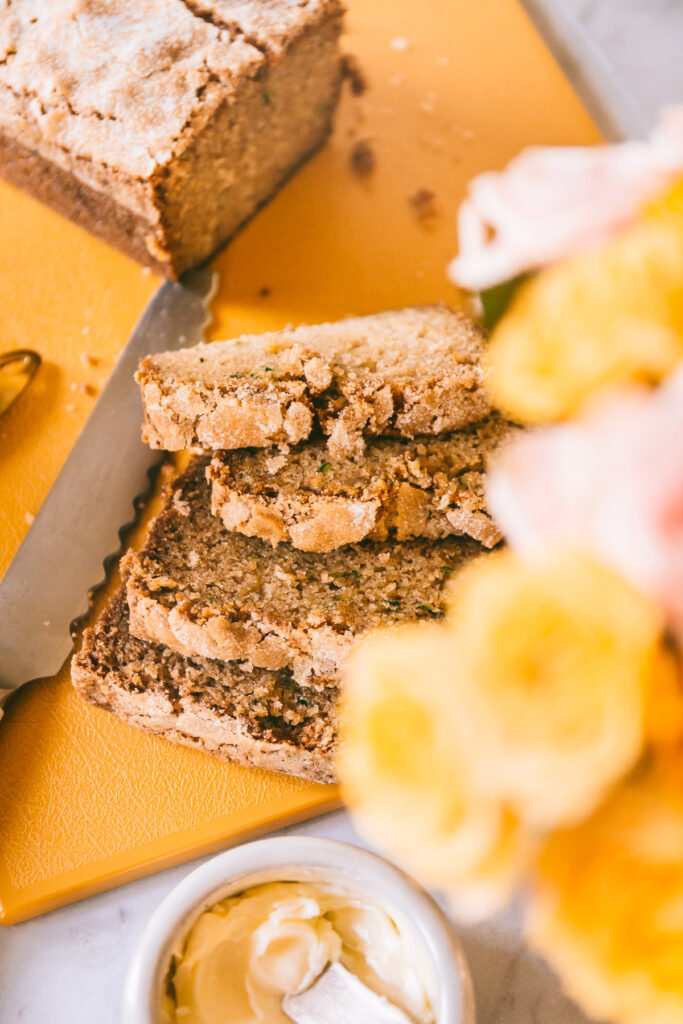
611, 315
664, 710
462, 741
551, 202
611, 483
607, 910
405, 779
556, 661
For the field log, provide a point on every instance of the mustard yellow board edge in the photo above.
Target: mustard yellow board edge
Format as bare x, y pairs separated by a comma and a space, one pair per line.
299, 804
455, 88
82, 747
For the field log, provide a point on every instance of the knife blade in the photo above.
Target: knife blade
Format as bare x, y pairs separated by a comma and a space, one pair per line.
61, 559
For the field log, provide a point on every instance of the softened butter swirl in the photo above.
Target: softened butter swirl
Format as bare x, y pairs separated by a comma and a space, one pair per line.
243, 955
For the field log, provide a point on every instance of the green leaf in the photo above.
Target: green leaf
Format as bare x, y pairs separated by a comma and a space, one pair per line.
496, 300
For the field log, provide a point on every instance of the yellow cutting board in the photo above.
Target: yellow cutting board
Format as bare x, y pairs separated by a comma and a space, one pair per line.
454, 87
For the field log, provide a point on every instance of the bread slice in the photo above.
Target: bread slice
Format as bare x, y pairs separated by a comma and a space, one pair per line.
431, 487
402, 373
256, 718
201, 590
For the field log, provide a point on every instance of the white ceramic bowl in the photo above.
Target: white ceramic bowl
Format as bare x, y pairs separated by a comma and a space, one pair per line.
298, 859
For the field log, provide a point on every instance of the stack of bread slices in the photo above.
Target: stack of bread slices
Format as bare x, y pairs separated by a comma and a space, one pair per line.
338, 487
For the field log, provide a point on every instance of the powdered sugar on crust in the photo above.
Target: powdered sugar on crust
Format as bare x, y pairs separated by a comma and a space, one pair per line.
127, 85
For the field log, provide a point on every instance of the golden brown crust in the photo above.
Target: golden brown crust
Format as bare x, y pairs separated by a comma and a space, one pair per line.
428, 487
256, 718
399, 373
269, 25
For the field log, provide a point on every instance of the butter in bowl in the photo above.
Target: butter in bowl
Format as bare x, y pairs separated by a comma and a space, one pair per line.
298, 930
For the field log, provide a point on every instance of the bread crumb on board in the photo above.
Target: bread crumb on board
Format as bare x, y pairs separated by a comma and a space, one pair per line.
362, 158
354, 74
423, 204
400, 44
83, 388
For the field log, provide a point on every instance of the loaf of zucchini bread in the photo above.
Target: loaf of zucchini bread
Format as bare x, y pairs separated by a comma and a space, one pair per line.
340, 490
162, 125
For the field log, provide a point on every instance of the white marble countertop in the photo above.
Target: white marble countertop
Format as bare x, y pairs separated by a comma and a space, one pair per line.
68, 967
641, 39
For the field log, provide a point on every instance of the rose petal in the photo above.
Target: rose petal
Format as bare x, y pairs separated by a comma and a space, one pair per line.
550, 202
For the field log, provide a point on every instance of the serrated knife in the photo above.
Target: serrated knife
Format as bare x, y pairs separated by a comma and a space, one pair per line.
61, 559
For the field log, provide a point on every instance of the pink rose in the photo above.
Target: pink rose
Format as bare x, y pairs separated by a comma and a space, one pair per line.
553, 201
610, 482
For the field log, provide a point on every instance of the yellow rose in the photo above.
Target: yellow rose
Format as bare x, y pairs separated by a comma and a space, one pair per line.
405, 779
607, 910
557, 659
609, 315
